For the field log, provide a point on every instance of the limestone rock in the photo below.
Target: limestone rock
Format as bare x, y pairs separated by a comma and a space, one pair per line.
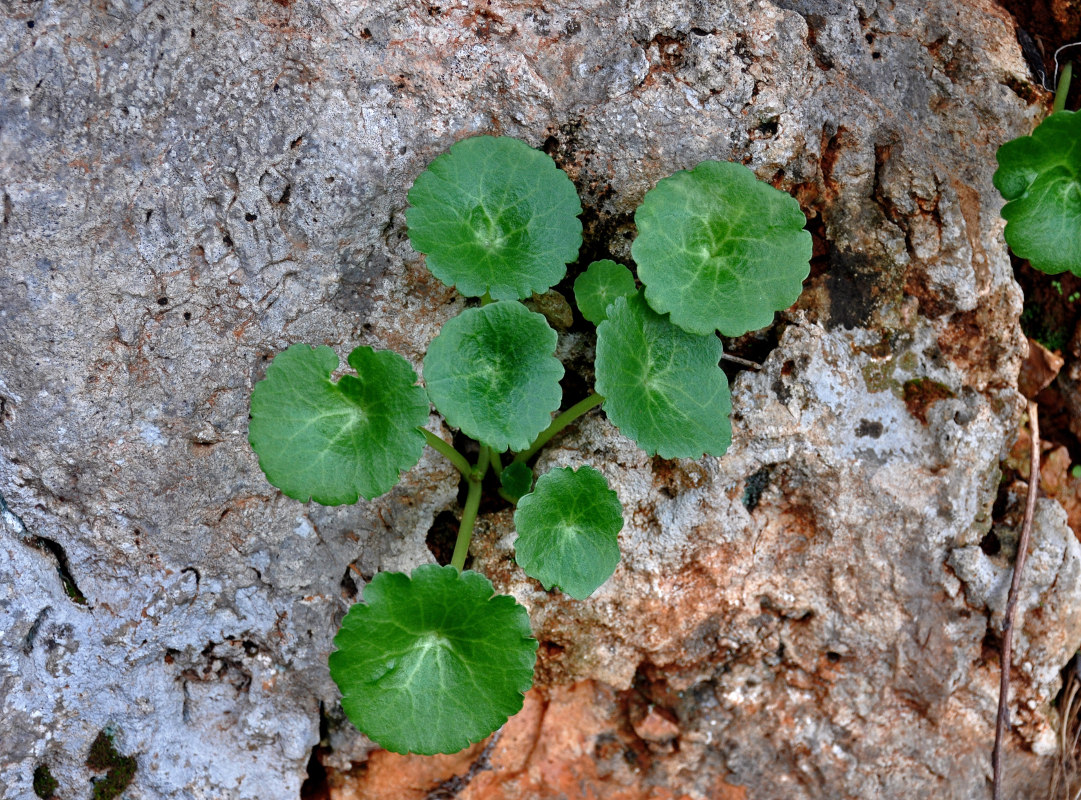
186, 189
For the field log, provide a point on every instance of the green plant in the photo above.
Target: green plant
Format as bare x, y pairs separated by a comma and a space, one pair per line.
432, 661
1040, 178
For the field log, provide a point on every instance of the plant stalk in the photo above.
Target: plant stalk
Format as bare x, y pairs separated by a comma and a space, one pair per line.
1063, 88
497, 462
559, 423
447, 450
469, 513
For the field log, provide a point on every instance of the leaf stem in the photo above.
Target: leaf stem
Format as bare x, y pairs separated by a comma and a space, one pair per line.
469, 513
559, 423
497, 462
1063, 88
446, 449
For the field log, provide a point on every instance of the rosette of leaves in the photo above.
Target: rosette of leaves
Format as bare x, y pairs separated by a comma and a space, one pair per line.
662, 385
599, 286
1040, 178
718, 249
491, 372
433, 662
495, 216
334, 441
568, 531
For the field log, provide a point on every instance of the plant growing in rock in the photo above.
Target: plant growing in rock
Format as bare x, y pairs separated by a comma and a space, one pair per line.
435, 660
1040, 178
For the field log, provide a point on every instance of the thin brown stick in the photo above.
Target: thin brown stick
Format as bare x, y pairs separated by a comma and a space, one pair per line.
742, 361
1002, 720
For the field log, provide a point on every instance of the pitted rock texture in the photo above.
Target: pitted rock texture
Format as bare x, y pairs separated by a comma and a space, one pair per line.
187, 189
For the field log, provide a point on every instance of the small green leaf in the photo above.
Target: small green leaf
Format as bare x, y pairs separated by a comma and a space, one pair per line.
662, 386
433, 662
719, 249
334, 441
491, 373
597, 287
1040, 177
516, 479
494, 215
568, 531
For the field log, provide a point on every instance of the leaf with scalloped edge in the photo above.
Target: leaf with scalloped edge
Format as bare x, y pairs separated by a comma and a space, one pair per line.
332, 441
597, 287
1040, 177
719, 249
568, 531
662, 385
491, 373
516, 479
433, 662
494, 215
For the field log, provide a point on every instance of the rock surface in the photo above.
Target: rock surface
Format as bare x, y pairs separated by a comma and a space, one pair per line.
188, 189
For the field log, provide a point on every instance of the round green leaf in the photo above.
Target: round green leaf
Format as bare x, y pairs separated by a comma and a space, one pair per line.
568, 531
719, 249
516, 479
433, 662
492, 373
331, 442
1040, 176
601, 283
494, 215
662, 386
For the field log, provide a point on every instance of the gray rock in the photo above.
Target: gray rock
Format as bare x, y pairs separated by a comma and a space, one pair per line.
186, 190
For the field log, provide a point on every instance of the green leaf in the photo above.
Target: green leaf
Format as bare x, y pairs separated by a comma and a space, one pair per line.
334, 441
662, 386
433, 662
568, 531
494, 215
719, 249
601, 283
1040, 177
491, 373
516, 479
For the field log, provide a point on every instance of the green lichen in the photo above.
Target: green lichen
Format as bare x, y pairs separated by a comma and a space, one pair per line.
119, 769
45, 785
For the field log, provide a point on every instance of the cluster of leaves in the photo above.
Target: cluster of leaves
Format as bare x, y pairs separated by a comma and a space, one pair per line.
1039, 176
435, 660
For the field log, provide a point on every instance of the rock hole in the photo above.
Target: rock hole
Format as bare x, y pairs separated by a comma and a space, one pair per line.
349, 586
163, 301
316, 785
286, 192
250, 217
30, 24
754, 486
767, 129
991, 544
833, 656
442, 536
227, 240
187, 315
71, 589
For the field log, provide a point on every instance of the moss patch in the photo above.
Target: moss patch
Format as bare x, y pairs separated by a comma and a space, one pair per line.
119, 769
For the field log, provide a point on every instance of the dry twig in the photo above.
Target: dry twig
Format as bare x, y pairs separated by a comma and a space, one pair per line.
1003, 717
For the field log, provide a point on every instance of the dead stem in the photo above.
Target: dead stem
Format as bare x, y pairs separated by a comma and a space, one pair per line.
1003, 717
